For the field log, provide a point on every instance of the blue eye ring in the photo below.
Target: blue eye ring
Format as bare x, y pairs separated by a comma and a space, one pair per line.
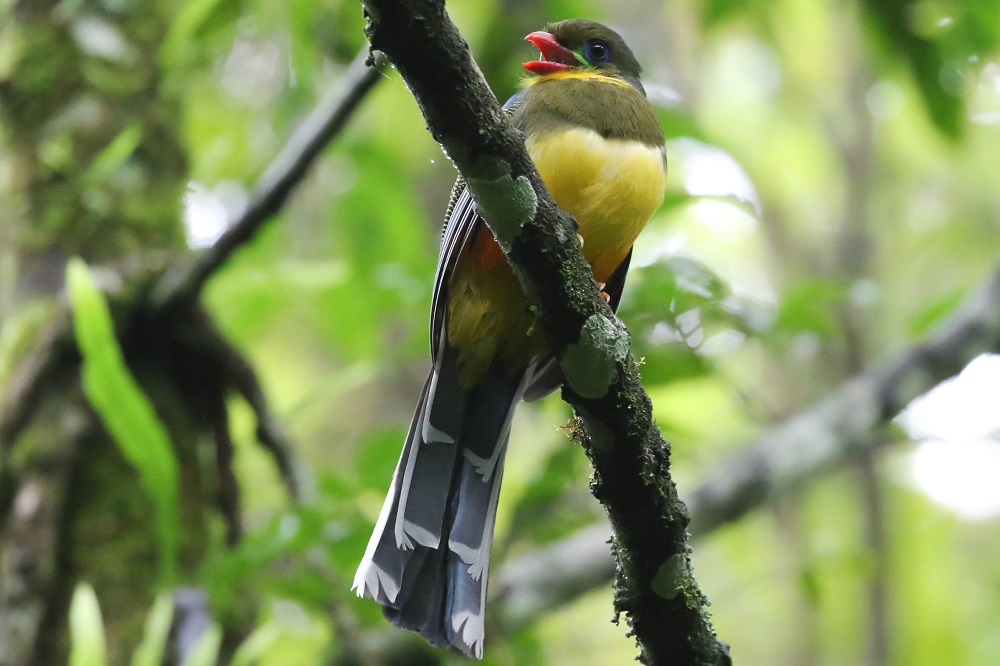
597, 51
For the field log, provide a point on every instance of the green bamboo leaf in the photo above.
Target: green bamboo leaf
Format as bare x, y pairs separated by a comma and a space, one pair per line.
206, 651
189, 29
256, 644
86, 629
124, 409
154, 640
925, 58
114, 154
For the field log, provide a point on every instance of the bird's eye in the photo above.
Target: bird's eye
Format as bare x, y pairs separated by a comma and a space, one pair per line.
597, 51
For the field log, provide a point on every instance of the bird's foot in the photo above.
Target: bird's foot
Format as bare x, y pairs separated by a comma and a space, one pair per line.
604, 294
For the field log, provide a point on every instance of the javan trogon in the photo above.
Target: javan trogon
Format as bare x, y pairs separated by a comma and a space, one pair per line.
599, 149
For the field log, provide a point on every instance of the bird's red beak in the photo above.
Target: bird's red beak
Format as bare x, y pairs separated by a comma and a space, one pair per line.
555, 57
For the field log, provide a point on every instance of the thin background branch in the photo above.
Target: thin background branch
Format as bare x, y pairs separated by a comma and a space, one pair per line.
851, 423
183, 283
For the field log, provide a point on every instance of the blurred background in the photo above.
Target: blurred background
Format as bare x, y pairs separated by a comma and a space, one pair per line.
833, 202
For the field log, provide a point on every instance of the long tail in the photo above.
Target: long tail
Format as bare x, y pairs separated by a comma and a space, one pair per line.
428, 558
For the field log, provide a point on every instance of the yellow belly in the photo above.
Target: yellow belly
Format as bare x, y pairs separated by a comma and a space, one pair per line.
612, 188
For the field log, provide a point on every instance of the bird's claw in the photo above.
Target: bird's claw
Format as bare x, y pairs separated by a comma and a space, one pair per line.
605, 295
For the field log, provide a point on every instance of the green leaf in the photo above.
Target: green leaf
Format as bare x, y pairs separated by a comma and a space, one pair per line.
154, 641
124, 409
677, 122
936, 311
256, 644
86, 629
206, 651
809, 307
671, 306
188, 32
715, 12
893, 20
114, 154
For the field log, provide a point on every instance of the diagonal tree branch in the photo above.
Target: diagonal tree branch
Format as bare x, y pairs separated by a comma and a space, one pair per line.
777, 464
183, 283
22, 395
33, 492
655, 588
851, 421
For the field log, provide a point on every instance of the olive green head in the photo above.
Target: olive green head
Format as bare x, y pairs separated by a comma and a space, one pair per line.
582, 44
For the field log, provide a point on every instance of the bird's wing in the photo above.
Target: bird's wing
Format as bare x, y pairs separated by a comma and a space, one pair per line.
461, 223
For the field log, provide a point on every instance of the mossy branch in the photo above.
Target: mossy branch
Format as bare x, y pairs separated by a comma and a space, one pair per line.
655, 587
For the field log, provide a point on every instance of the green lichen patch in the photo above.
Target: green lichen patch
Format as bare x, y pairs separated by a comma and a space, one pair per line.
669, 578
506, 203
589, 365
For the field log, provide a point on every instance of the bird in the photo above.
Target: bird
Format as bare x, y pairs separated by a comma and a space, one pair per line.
600, 151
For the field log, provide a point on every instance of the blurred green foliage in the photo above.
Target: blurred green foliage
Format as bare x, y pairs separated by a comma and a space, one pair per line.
833, 196
157, 631
125, 410
86, 629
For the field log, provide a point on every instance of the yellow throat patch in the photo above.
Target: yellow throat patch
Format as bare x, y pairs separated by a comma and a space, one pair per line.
576, 73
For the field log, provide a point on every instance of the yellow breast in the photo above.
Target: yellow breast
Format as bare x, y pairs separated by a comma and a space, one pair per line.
611, 186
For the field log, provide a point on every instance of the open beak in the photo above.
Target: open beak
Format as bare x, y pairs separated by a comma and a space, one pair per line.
555, 57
